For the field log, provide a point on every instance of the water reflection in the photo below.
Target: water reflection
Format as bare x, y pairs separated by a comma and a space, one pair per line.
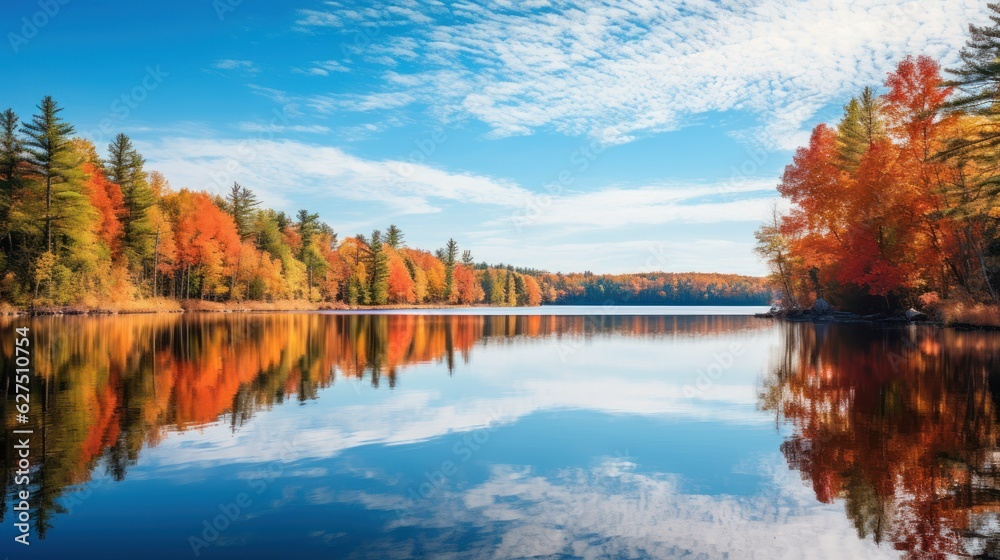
400, 436
109, 387
899, 424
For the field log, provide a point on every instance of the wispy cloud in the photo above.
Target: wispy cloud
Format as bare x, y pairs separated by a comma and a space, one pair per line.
620, 69
278, 128
317, 18
618, 228
275, 168
246, 66
616, 206
322, 68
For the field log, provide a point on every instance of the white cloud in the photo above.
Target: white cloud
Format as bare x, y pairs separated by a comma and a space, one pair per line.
271, 166
278, 128
499, 220
316, 18
274, 168
732, 201
322, 68
692, 253
613, 510
246, 66
618, 69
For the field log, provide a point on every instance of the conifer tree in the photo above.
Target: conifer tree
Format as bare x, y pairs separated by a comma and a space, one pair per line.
510, 289
394, 237
11, 179
124, 167
67, 244
978, 76
449, 255
379, 261
309, 254
53, 160
242, 203
498, 294
860, 127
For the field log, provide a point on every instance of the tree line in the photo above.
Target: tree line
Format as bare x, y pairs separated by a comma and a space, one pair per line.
79, 227
897, 203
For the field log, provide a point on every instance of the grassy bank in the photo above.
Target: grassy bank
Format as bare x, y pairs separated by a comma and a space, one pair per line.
961, 314
166, 305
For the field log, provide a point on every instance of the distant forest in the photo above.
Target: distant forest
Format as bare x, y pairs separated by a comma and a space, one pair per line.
656, 289
79, 227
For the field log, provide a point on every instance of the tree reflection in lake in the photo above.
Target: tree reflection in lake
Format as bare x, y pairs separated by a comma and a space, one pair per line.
106, 387
898, 426
901, 425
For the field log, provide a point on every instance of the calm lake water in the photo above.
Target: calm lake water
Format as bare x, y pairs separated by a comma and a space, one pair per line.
678, 435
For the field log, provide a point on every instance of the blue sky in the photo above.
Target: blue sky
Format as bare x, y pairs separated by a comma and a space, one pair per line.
611, 136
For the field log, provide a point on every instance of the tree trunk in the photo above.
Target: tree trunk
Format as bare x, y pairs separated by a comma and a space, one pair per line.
156, 258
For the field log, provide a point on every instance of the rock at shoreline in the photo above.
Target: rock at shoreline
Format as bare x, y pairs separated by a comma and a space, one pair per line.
914, 315
821, 307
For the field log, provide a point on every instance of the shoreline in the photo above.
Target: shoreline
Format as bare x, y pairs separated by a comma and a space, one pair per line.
204, 306
169, 306
899, 318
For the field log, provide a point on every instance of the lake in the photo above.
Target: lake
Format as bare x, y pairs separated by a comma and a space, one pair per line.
550, 433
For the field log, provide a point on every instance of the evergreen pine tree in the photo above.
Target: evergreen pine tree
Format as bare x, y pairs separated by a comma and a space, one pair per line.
379, 281
308, 253
242, 203
11, 179
498, 295
124, 166
861, 126
394, 237
449, 256
67, 245
510, 289
52, 159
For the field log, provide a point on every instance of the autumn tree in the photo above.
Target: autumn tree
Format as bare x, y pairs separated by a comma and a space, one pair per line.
400, 283
467, 287
532, 291
207, 245
773, 247
106, 197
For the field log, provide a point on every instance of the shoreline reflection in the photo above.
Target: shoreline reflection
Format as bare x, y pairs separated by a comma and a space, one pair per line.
901, 425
